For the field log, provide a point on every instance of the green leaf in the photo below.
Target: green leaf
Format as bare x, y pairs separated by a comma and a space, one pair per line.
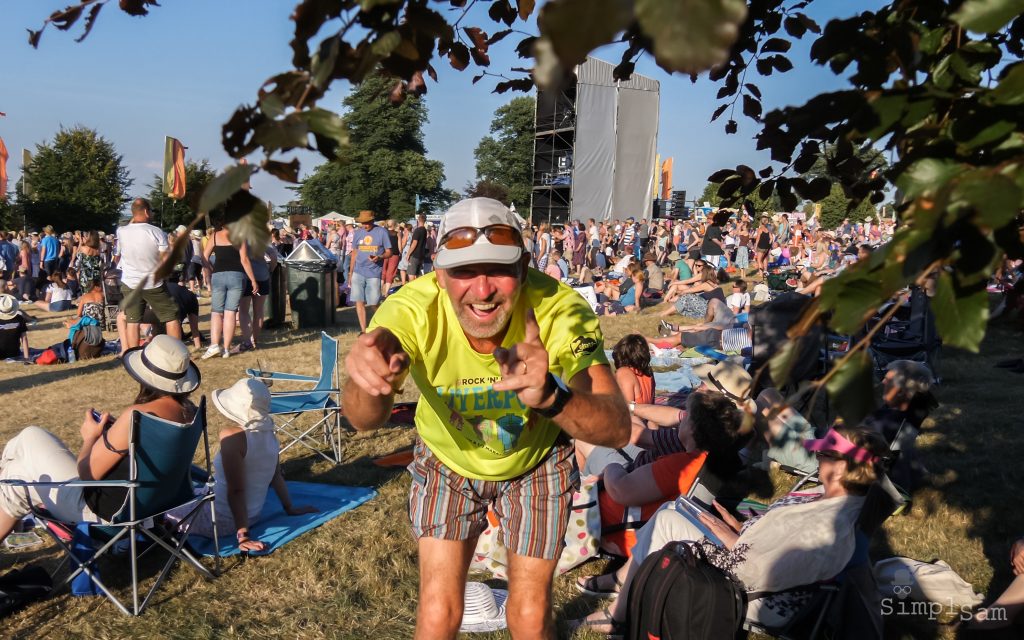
959, 316
691, 36
987, 16
926, 175
852, 296
386, 43
782, 362
992, 133
852, 389
577, 27
221, 187
252, 228
995, 198
1010, 90
271, 105
323, 62
327, 123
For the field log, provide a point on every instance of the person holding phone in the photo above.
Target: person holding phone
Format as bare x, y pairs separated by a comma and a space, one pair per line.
166, 377
371, 247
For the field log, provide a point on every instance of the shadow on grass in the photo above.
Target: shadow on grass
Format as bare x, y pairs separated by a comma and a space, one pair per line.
41, 375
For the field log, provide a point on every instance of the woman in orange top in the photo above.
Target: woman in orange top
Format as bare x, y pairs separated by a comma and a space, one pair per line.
629, 498
632, 359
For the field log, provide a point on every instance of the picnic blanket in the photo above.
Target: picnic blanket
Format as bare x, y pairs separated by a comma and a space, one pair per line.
276, 528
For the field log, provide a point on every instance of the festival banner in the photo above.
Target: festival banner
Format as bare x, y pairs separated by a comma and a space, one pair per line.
174, 168
657, 176
3, 170
666, 179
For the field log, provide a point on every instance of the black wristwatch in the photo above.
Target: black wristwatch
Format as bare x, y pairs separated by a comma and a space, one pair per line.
562, 395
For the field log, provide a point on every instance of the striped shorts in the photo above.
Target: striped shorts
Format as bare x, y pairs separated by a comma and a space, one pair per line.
532, 510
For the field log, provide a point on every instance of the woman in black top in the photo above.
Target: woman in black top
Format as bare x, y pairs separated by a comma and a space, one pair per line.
167, 378
763, 244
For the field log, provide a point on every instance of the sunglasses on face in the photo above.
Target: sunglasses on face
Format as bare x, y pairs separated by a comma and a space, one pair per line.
827, 455
499, 234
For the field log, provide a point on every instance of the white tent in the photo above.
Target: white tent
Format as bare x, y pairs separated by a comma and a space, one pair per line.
331, 217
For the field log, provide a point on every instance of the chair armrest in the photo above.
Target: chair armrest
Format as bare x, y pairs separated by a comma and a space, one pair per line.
73, 483
301, 392
277, 375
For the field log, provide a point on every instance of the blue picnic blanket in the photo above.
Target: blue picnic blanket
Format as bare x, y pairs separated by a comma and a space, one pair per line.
276, 528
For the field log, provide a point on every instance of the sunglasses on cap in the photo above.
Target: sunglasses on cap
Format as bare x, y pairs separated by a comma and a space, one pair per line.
498, 234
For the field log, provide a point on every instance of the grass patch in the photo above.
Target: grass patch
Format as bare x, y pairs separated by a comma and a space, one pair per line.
356, 577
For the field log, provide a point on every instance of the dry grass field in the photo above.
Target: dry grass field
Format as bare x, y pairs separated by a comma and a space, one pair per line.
356, 577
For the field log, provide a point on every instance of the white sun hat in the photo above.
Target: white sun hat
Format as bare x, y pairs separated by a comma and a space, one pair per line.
163, 364
247, 403
483, 609
8, 306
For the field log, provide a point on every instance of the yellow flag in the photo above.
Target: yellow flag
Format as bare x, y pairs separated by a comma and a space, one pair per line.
174, 168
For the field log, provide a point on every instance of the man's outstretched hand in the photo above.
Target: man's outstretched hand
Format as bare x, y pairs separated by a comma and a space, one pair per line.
377, 364
524, 367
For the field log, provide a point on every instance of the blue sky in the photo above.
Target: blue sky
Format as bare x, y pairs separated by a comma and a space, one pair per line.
184, 69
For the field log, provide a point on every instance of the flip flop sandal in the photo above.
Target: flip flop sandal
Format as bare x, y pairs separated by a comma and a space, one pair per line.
588, 585
605, 624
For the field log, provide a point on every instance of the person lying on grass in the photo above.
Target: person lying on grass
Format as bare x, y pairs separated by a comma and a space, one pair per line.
245, 466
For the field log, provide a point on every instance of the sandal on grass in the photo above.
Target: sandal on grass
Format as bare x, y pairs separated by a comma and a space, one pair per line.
601, 621
592, 585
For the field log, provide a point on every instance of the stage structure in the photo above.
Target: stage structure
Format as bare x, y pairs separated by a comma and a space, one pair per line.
595, 147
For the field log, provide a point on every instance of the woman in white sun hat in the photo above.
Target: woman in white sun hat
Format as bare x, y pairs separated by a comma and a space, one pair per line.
166, 376
245, 466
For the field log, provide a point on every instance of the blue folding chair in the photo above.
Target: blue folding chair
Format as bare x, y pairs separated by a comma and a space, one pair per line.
160, 455
288, 407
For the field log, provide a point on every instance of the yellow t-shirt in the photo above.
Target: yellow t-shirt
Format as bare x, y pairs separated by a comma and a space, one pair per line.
478, 432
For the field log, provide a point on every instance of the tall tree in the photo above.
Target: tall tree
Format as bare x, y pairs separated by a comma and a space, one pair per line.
78, 182
836, 207
384, 166
505, 158
169, 213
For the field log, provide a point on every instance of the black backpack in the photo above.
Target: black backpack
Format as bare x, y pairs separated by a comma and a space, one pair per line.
678, 595
19, 587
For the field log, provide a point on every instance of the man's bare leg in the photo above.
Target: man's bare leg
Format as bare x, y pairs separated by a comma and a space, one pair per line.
529, 606
443, 568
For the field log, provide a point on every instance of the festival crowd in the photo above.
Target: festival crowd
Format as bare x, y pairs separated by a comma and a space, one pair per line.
519, 403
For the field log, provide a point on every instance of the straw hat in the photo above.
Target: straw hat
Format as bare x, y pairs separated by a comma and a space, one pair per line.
483, 609
8, 306
729, 378
164, 365
365, 216
674, 256
245, 402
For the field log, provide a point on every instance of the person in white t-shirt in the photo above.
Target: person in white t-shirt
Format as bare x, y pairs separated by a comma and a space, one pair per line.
140, 248
739, 301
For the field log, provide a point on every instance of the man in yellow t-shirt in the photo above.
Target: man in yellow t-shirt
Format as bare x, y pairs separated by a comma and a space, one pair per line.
510, 364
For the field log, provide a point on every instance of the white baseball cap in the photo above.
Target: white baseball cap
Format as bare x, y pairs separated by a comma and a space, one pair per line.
477, 213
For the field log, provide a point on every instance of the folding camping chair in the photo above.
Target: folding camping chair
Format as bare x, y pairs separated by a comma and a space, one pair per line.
160, 455
325, 397
909, 335
847, 603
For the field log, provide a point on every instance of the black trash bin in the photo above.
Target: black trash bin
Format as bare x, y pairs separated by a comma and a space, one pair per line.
276, 307
312, 285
